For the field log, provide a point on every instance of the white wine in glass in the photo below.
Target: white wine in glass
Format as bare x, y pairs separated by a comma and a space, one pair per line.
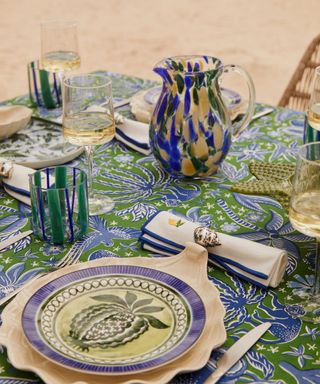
60, 61
312, 119
88, 120
304, 215
59, 46
88, 128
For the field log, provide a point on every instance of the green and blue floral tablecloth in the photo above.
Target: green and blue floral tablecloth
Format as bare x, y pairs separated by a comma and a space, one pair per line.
289, 352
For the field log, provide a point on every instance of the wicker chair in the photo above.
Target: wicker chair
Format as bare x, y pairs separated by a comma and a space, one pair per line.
297, 94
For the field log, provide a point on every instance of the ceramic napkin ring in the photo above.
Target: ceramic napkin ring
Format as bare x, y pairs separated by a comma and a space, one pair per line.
206, 237
6, 169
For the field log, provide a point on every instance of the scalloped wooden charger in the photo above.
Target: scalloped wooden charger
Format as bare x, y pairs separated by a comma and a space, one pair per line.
190, 266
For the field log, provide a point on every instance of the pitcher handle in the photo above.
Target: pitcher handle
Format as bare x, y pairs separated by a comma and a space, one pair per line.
244, 122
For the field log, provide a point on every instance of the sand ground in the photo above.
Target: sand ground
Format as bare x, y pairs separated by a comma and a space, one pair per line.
266, 37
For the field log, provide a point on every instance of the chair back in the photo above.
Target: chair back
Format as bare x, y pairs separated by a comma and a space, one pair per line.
297, 94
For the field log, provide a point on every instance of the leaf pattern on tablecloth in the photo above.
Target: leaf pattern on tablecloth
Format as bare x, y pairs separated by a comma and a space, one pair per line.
288, 352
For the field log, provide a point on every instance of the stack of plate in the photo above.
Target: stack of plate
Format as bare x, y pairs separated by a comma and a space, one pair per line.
143, 103
117, 321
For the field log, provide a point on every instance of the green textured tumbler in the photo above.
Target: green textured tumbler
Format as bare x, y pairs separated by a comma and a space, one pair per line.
59, 204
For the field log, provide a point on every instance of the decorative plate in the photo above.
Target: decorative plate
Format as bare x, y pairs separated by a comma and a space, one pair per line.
194, 258
12, 119
231, 98
38, 145
143, 102
114, 319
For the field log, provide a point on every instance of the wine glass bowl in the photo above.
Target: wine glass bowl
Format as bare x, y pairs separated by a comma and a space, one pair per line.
88, 120
59, 46
312, 118
304, 215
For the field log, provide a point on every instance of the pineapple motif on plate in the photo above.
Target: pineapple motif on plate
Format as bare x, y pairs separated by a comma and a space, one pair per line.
115, 322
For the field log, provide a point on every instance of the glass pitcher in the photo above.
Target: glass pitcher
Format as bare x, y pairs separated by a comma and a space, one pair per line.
191, 129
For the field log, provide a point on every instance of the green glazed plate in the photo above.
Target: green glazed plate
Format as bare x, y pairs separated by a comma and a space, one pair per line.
114, 319
38, 145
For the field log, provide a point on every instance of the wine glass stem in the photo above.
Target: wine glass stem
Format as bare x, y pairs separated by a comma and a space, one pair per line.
89, 152
316, 286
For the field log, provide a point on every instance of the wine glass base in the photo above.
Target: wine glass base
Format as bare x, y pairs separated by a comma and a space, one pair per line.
100, 204
305, 305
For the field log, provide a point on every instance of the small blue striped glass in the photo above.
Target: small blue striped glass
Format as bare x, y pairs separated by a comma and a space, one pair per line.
59, 204
44, 87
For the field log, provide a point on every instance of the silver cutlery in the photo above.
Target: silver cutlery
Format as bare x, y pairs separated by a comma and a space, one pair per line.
70, 258
12, 294
236, 351
262, 113
256, 116
38, 118
121, 103
13, 239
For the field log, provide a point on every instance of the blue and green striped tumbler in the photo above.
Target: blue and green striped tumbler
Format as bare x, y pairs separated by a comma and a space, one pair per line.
59, 204
44, 87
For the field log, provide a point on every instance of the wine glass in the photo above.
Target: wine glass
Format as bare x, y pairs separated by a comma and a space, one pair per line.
59, 46
304, 215
88, 120
312, 118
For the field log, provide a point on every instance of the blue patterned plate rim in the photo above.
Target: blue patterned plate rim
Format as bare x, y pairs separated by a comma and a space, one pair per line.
34, 333
232, 98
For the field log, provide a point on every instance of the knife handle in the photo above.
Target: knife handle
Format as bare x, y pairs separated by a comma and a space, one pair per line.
236, 351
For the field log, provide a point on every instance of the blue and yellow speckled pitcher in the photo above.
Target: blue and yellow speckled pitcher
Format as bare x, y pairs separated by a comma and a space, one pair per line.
191, 129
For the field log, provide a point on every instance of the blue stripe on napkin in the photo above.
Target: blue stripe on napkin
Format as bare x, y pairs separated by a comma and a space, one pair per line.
132, 141
16, 189
219, 259
211, 259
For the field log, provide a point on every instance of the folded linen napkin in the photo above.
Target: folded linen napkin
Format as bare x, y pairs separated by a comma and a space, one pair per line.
17, 183
134, 134
18, 196
166, 234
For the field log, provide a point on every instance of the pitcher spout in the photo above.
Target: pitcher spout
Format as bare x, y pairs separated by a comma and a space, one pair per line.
186, 66
164, 73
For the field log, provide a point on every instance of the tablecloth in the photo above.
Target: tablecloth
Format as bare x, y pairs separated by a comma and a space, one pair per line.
289, 353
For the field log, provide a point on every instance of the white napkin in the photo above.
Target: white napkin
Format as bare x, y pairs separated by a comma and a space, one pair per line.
134, 134
167, 234
17, 185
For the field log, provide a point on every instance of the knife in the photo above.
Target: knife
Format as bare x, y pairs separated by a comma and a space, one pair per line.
262, 113
121, 103
256, 116
13, 239
236, 351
